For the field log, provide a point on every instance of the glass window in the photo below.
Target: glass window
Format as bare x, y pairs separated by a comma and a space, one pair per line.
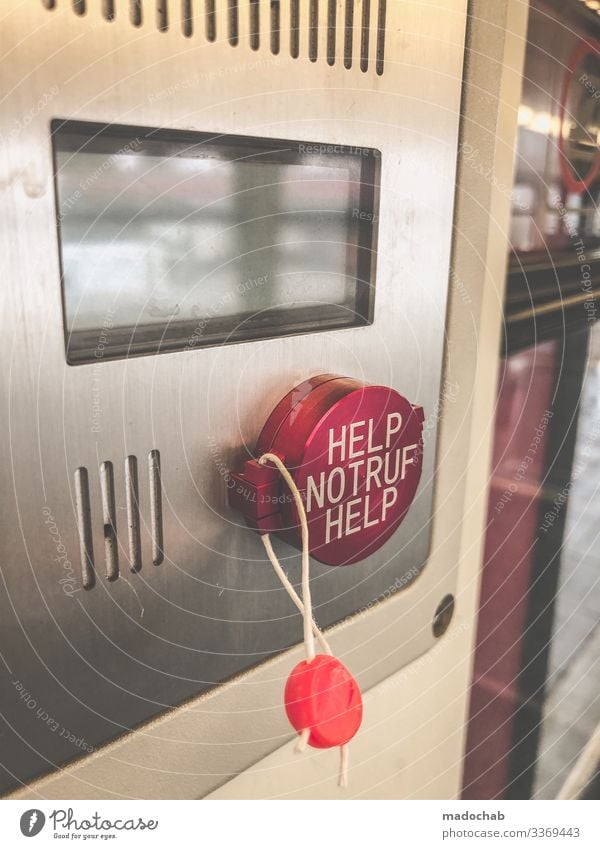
176, 240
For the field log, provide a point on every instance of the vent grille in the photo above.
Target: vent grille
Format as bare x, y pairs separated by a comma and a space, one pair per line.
133, 546
348, 24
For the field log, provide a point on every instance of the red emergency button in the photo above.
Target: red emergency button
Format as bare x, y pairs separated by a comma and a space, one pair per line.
355, 453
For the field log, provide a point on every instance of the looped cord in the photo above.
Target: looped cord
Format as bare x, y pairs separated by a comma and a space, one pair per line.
309, 640
304, 604
293, 594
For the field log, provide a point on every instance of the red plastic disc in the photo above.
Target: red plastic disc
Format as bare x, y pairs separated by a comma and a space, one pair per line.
323, 696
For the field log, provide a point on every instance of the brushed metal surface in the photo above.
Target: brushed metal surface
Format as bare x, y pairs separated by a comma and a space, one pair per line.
96, 662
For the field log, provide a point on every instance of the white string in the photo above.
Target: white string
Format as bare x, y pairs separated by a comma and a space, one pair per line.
292, 592
303, 740
309, 640
304, 604
343, 775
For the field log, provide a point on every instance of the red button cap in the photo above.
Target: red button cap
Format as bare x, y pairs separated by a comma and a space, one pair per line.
324, 697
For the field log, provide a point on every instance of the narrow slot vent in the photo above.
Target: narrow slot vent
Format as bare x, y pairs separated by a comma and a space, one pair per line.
109, 518
108, 10
275, 26
187, 23
156, 522
162, 15
313, 31
211, 21
132, 502
254, 25
364, 36
234, 30
135, 12
84, 526
295, 29
348, 33
381, 36
337, 36
133, 547
331, 31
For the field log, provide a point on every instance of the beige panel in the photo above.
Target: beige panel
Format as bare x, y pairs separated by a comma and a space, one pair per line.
408, 747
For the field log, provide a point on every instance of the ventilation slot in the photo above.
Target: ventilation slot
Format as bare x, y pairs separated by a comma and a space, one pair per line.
343, 27
364, 36
313, 31
187, 24
295, 28
275, 26
109, 517
108, 10
84, 526
132, 501
156, 507
348, 27
331, 25
162, 15
211, 20
381, 36
234, 32
135, 12
254, 25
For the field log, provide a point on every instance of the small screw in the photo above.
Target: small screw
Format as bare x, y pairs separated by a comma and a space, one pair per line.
443, 615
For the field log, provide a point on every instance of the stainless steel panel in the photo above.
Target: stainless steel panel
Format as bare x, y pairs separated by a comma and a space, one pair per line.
96, 662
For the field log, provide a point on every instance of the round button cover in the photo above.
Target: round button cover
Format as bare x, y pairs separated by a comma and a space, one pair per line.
355, 453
